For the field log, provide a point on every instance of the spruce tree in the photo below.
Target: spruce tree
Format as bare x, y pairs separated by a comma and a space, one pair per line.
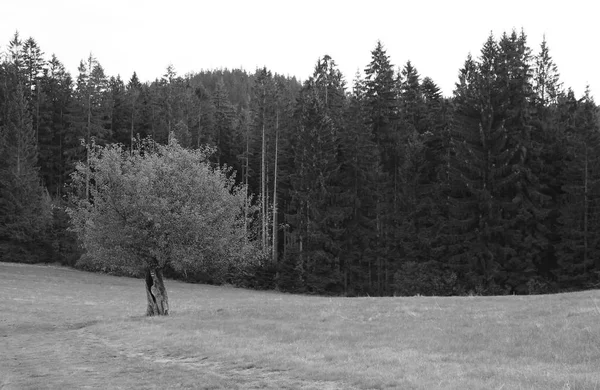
580, 215
25, 211
548, 135
359, 167
118, 118
33, 65
224, 126
54, 130
411, 153
133, 102
546, 79
381, 102
498, 202
411, 98
423, 209
316, 218
88, 113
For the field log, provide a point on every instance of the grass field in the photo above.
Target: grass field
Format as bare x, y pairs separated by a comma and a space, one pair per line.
62, 328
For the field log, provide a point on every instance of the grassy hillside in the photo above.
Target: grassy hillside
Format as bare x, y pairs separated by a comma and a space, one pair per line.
61, 328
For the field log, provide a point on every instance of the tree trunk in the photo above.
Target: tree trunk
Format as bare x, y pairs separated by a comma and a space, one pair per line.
263, 185
158, 302
37, 113
89, 136
275, 192
131, 130
199, 126
246, 177
585, 212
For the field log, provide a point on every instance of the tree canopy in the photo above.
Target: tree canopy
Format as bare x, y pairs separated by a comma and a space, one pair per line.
157, 206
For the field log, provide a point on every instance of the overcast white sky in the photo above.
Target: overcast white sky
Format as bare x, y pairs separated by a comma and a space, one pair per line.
289, 36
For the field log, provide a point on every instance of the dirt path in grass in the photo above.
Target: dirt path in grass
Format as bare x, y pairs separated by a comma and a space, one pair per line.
232, 375
45, 356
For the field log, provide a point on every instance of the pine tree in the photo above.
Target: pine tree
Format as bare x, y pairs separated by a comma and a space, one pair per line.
262, 107
56, 87
411, 155
133, 92
15, 58
529, 237
224, 126
89, 110
24, 204
283, 168
360, 166
381, 103
580, 215
497, 199
549, 137
422, 208
33, 64
168, 83
546, 80
283, 116
434, 179
164, 105
118, 117
473, 144
411, 98
203, 110
182, 134
315, 217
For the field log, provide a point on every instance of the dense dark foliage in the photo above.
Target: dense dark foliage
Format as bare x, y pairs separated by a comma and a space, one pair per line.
384, 188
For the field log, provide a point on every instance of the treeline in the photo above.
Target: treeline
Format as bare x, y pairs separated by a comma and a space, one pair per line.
384, 187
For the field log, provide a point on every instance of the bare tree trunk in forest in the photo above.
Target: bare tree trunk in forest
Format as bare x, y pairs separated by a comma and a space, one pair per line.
370, 265
301, 249
346, 280
158, 302
199, 125
219, 149
131, 130
246, 181
37, 114
111, 115
286, 236
89, 136
585, 211
355, 215
379, 244
386, 280
152, 126
275, 191
60, 158
305, 238
267, 206
263, 206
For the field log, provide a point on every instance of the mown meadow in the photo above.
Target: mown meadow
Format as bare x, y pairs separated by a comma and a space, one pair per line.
62, 328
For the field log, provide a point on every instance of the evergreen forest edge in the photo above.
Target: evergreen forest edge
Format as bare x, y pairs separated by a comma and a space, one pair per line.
384, 187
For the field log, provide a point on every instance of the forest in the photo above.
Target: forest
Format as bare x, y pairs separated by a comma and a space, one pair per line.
379, 187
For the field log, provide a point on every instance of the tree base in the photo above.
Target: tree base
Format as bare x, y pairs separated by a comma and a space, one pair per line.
158, 302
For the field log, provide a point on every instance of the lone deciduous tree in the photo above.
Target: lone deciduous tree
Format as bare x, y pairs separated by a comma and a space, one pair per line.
157, 206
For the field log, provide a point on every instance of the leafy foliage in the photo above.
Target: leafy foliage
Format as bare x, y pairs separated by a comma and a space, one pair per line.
157, 206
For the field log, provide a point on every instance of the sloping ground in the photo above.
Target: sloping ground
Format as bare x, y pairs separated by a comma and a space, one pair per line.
61, 328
